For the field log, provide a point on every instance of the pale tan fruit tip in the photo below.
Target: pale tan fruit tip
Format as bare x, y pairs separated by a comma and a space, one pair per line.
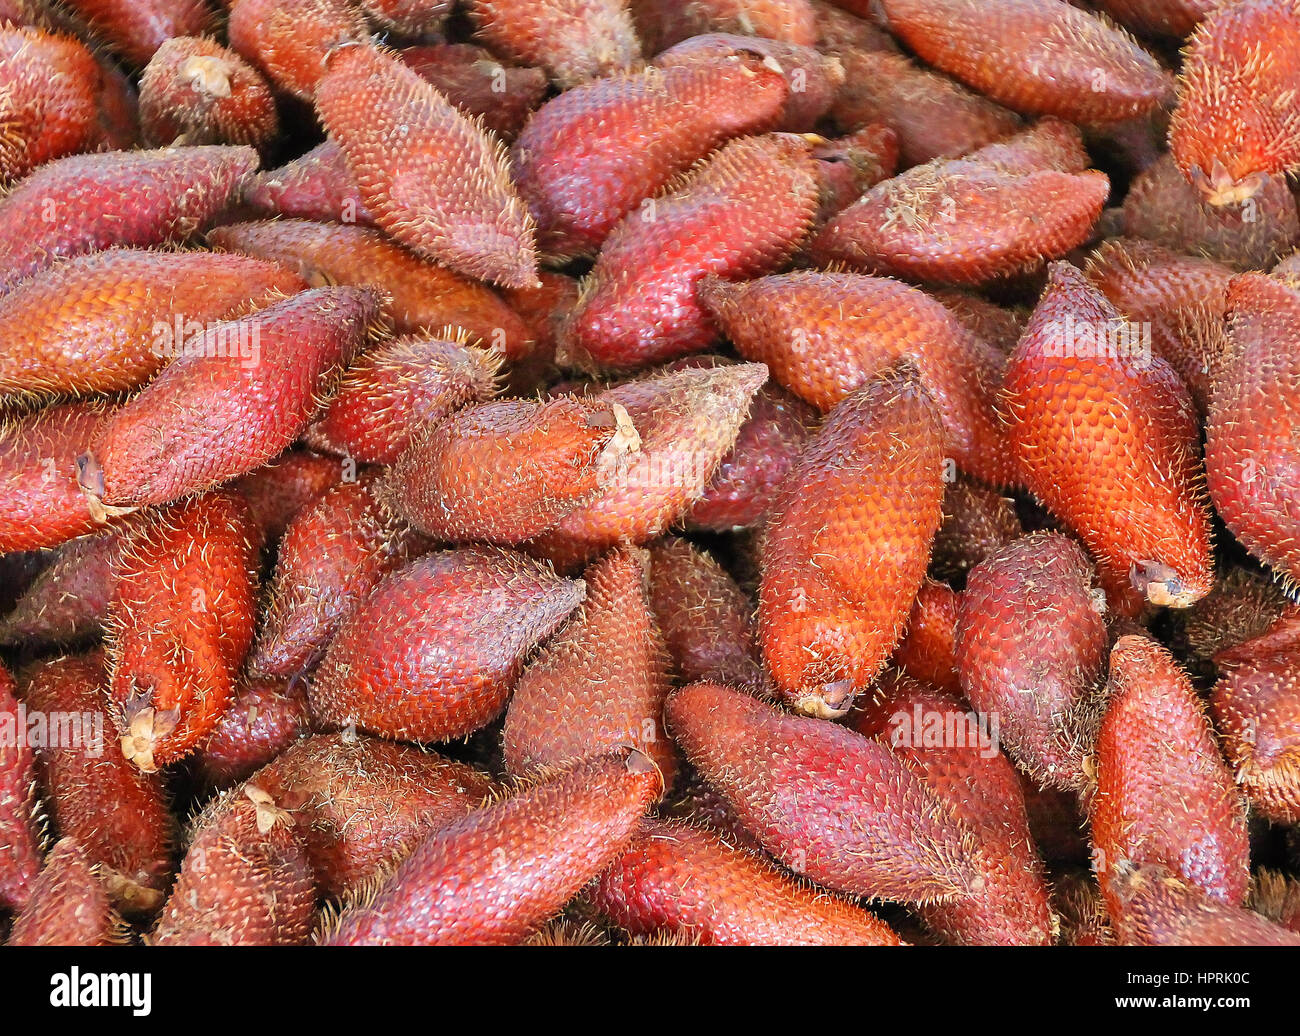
268, 813
1162, 586
130, 896
829, 701
209, 75
90, 478
1220, 189
146, 726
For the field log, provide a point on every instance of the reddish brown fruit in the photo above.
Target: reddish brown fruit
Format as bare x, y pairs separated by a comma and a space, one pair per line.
1164, 795
135, 29
359, 803
89, 202
180, 623
594, 154
927, 651
245, 879
544, 310
20, 838
264, 719
409, 17
865, 822
850, 166
741, 213
1039, 57
838, 29
117, 109
663, 23
104, 322
999, 327
1277, 898
290, 40
574, 40
235, 398
825, 335
1242, 606
1251, 451
678, 878
198, 91
315, 186
523, 858
479, 85
441, 187
976, 522
333, 554
846, 548
277, 491
1173, 18
485, 608
48, 87
1030, 649
1084, 921
69, 905
1106, 436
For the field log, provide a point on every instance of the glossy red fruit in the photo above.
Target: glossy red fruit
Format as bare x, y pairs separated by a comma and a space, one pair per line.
291, 40
102, 322
277, 491
180, 623
927, 652
574, 40
1039, 57
675, 877
472, 79
485, 608
441, 187
663, 23
976, 522
1172, 18
493, 877
1251, 452
265, 717
20, 836
138, 198
135, 29
846, 548
1106, 436
741, 213
593, 154
69, 905
1164, 795
48, 88
317, 185
235, 397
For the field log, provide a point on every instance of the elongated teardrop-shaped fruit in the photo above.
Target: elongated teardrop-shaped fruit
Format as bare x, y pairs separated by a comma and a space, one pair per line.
116, 814
663, 23
245, 879
69, 905
741, 213
496, 875
847, 545
825, 335
1164, 795
1238, 115
48, 86
135, 29
574, 40
277, 491
19, 835
180, 623
360, 803
1106, 436
127, 198
441, 186
291, 40
837, 807
235, 397
332, 555
976, 522
266, 716
1031, 648
927, 652
486, 609
472, 79
1251, 447
104, 322
600, 682
593, 154
317, 185
1039, 57
675, 877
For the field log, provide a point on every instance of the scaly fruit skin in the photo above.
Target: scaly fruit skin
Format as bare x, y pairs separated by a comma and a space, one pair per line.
957, 753
927, 651
838, 29
90, 202
1173, 18
1164, 795
741, 213
359, 803
1237, 119
1106, 436
600, 682
69, 905
496, 875
574, 40
1030, 648
1038, 57
291, 40
315, 186
593, 154
544, 309
679, 878
422, 298
135, 29
334, 552
828, 803
48, 86
117, 815
442, 185
850, 166
198, 90
399, 389
506, 471
1001, 328
687, 421
846, 548
100, 322
180, 623
245, 879
1242, 606
1277, 897
1154, 906
976, 522
1182, 299
825, 335
663, 23
277, 491
234, 398
1252, 455
20, 839
409, 17
486, 609
42, 506
266, 716
472, 79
